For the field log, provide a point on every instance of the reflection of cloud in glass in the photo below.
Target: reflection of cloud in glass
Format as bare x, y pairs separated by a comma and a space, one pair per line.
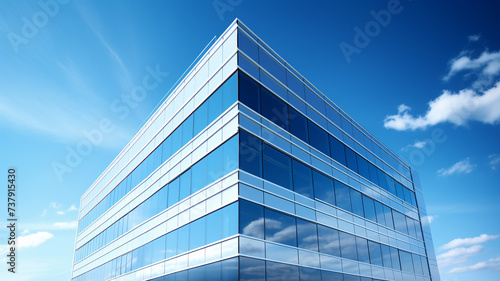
254, 228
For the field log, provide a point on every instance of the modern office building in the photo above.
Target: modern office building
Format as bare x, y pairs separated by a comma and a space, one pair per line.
248, 172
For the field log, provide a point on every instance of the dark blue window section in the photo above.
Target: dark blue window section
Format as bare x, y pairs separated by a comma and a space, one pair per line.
323, 188
356, 202
248, 46
248, 92
298, 125
251, 219
281, 271
280, 228
250, 154
307, 235
277, 167
406, 261
252, 269
190, 127
362, 249
348, 246
329, 241
274, 109
369, 208
318, 138
375, 253
310, 274
302, 179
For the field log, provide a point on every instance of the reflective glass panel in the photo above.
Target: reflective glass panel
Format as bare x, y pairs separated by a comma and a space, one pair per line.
323, 188
369, 209
298, 125
375, 253
252, 269
280, 228
318, 138
337, 150
248, 92
307, 235
356, 202
329, 241
302, 179
348, 246
251, 219
274, 109
351, 159
277, 167
362, 247
281, 271
342, 195
250, 154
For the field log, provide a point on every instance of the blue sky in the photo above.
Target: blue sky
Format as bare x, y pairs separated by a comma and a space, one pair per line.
423, 79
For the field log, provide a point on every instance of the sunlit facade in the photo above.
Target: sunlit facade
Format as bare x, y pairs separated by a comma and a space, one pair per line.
247, 172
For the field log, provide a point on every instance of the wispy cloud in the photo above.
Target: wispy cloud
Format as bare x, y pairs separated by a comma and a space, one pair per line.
461, 167
493, 263
66, 225
417, 144
428, 219
460, 242
33, 240
473, 38
456, 108
487, 64
494, 159
457, 255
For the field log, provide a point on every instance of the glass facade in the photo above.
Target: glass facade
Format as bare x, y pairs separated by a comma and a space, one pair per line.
248, 172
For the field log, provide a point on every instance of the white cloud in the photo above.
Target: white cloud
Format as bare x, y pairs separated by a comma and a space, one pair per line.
460, 242
72, 208
488, 64
457, 255
417, 144
428, 219
60, 213
44, 212
66, 225
456, 108
473, 38
494, 160
461, 167
55, 205
33, 240
493, 263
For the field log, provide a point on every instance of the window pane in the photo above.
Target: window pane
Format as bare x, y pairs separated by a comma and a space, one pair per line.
381, 179
173, 192
362, 246
406, 261
388, 217
417, 263
399, 222
183, 239
277, 167
185, 184
249, 92
375, 253
356, 202
331, 276
348, 246
380, 213
229, 269
274, 109
390, 184
251, 219
307, 235
197, 233
363, 167
252, 269
302, 179
187, 129
250, 154
272, 66
343, 198
229, 91
309, 274
337, 150
386, 256
280, 228
200, 119
281, 271
214, 227
425, 266
298, 125
199, 175
411, 227
369, 208
171, 244
328, 241
248, 46
214, 165
215, 105
395, 258
323, 188
230, 220
318, 138
351, 159
373, 173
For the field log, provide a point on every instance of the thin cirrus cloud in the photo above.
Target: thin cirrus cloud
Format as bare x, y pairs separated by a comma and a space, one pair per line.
66, 225
488, 64
457, 255
417, 144
493, 263
460, 242
494, 159
33, 240
461, 167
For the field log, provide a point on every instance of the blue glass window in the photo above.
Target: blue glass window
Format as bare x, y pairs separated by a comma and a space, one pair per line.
395, 258
318, 138
173, 192
369, 209
337, 150
331, 276
248, 46
183, 239
388, 217
280, 228
272, 66
214, 227
351, 159
381, 179
184, 184
298, 125
230, 220
362, 247
323, 188
373, 174
215, 105
375, 253
277, 167
307, 235
309, 274
274, 109
356, 202
199, 175
302, 179
380, 213
348, 246
343, 197
250, 154
197, 233
400, 222
295, 85
417, 264
249, 92
386, 256
200, 119
329, 241
281, 271
252, 269
251, 219
363, 167
390, 184
171, 244
406, 261
229, 269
